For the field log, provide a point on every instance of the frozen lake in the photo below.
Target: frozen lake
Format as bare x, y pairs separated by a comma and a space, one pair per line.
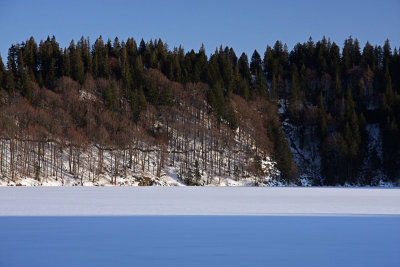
194, 226
200, 241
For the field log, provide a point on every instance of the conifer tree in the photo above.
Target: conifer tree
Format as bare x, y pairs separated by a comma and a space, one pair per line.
125, 68
138, 73
142, 47
78, 70
255, 63
334, 59
284, 157
387, 54
84, 46
217, 100
243, 88
268, 60
131, 49
244, 69
356, 54
351, 134
10, 82
12, 59
260, 84
346, 57
227, 73
23, 83
66, 64
30, 54
368, 58
2, 74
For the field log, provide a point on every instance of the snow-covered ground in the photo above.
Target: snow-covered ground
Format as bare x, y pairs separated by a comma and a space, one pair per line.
97, 201
171, 174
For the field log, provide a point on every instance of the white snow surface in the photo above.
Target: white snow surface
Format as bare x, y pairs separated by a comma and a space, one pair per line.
126, 201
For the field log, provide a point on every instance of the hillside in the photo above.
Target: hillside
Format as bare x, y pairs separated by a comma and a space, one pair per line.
121, 113
176, 144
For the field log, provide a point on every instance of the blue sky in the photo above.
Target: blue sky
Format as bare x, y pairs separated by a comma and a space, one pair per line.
244, 25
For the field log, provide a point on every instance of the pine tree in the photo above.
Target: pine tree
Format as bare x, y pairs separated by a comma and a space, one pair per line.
387, 54
84, 46
116, 48
10, 82
142, 47
125, 68
227, 72
66, 64
131, 49
255, 63
138, 73
334, 60
346, 57
356, 54
351, 134
12, 59
268, 63
111, 96
243, 88
368, 58
50, 78
244, 69
30, 54
259, 84
217, 100
284, 158
23, 84
78, 70
77, 67
2, 74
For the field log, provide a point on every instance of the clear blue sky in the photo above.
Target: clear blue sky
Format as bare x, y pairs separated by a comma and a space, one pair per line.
244, 25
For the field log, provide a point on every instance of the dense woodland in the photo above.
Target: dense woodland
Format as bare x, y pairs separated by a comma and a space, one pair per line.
146, 107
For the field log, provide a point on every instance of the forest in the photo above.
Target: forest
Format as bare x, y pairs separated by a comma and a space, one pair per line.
121, 108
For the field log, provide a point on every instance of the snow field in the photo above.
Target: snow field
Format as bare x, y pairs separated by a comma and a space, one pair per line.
100, 201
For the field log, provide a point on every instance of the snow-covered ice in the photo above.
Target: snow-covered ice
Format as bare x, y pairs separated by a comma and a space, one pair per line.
98, 201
